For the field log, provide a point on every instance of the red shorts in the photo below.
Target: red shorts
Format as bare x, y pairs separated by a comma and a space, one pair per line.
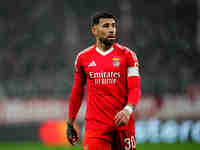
100, 137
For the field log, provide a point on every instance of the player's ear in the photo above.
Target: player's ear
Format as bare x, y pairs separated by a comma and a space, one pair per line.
94, 30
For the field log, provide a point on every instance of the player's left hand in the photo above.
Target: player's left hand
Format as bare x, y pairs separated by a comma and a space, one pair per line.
122, 117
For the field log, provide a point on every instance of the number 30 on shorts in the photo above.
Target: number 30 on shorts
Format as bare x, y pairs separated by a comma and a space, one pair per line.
130, 143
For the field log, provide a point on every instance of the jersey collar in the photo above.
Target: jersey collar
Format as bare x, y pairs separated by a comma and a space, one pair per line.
104, 52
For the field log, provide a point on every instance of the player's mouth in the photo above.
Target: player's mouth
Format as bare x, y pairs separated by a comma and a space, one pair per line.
111, 37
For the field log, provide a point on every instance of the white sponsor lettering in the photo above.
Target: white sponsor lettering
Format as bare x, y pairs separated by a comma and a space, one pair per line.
104, 77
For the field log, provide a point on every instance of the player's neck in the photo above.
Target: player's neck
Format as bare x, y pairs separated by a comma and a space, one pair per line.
102, 46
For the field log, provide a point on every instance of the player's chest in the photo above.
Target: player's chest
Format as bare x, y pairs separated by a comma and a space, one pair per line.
111, 63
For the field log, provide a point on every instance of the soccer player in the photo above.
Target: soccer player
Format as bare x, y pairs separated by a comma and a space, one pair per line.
110, 72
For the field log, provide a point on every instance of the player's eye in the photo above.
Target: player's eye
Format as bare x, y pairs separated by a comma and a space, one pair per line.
113, 25
106, 25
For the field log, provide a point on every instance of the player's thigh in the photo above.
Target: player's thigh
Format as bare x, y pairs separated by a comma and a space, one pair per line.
123, 140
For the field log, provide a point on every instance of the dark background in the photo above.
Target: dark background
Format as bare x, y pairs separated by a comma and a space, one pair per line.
39, 40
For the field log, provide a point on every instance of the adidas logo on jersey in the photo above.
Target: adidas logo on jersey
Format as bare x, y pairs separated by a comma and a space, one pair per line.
92, 64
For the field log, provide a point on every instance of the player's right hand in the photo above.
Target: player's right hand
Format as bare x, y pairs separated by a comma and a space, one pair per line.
72, 135
122, 117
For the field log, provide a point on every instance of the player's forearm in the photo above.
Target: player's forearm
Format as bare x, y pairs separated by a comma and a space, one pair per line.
134, 90
75, 101
76, 96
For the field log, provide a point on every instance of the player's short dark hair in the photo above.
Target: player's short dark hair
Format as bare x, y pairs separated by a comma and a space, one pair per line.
99, 15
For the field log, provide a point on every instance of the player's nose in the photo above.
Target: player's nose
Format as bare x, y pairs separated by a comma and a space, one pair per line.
111, 32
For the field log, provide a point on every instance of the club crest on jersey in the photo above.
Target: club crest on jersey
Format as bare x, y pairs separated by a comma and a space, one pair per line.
116, 61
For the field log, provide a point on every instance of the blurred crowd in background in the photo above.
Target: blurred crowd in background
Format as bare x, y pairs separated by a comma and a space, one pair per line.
40, 38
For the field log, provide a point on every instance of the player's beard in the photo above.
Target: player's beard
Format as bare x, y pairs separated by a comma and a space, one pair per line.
107, 42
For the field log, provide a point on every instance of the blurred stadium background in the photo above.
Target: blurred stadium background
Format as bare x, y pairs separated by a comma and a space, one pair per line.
39, 40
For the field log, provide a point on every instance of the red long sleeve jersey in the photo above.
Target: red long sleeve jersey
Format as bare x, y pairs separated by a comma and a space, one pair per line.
112, 79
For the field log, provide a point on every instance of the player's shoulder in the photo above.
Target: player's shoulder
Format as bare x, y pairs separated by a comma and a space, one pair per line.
125, 49
85, 51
